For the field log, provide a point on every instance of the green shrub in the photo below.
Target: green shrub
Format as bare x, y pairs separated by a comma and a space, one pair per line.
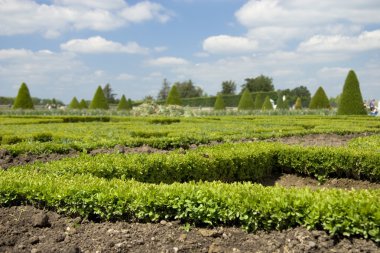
267, 105
219, 103
319, 100
246, 102
83, 104
123, 104
10, 139
43, 137
298, 104
259, 101
99, 101
173, 97
74, 104
23, 99
351, 100
164, 121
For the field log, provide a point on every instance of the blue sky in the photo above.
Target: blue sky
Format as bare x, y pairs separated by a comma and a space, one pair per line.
66, 48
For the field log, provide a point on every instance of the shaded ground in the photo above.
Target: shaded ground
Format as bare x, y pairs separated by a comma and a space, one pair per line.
26, 229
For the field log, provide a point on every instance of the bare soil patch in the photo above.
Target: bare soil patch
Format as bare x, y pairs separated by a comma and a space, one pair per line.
27, 229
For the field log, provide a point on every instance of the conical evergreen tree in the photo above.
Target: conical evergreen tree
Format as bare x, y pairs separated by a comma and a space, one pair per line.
246, 101
23, 99
267, 105
280, 101
298, 104
99, 101
319, 100
219, 103
83, 104
259, 101
173, 97
123, 104
74, 104
351, 100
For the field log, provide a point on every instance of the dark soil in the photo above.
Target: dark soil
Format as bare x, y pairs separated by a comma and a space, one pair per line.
27, 229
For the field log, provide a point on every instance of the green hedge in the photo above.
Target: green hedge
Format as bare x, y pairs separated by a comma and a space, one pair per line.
253, 207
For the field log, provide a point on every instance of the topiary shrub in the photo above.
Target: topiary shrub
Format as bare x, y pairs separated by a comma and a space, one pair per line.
74, 104
298, 104
351, 100
246, 101
219, 103
123, 104
281, 103
23, 99
99, 101
259, 101
267, 105
83, 104
319, 100
173, 97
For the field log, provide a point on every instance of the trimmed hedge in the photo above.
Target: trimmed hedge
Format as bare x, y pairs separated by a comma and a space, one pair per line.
351, 100
99, 101
246, 101
23, 99
319, 100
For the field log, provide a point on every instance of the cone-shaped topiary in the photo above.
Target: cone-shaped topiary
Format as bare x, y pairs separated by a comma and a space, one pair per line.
99, 101
259, 101
351, 100
123, 104
246, 101
74, 104
173, 97
298, 104
83, 104
23, 99
267, 105
280, 101
319, 100
219, 103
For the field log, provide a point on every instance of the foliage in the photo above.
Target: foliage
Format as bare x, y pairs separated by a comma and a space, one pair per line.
23, 99
298, 104
228, 88
319, 100
267, 105
259, 100
83, 104
351, 100
187, 89
74, 104
164, 91
219, 103
281, 103
246, 102
110, 97
99, 101
173, 97
124, 104
258, 84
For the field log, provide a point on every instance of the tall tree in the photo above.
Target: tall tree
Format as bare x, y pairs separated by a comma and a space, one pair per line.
260, 83
319, 100
164, 92
228, 87
173, 97
187, 89
23, 99
99, 101
107, 90
246, 101
351, 100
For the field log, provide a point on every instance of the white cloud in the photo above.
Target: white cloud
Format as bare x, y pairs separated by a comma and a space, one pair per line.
328, 72
364, 42
224, 44
14, 53
167, 61
100, 45
160, 49
50, 20
125, 77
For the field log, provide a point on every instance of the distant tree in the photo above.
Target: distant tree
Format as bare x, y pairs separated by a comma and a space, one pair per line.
219, 103
107, 90
261, 83
228, 87
173, 97
23, 99
164, 92
351, 100
83, 104
124, 104
319, 100
74, 104
187, 89
259, 101
298, 104
267, 105
246, 101
99, 101
148, 99
303, 93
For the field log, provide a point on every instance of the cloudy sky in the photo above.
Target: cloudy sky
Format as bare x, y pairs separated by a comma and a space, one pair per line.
66, 48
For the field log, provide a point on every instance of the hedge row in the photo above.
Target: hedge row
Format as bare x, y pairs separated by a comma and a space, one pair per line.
347, 213
226, 162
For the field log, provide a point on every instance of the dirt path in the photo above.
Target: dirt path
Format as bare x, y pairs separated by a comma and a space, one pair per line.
27, 229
